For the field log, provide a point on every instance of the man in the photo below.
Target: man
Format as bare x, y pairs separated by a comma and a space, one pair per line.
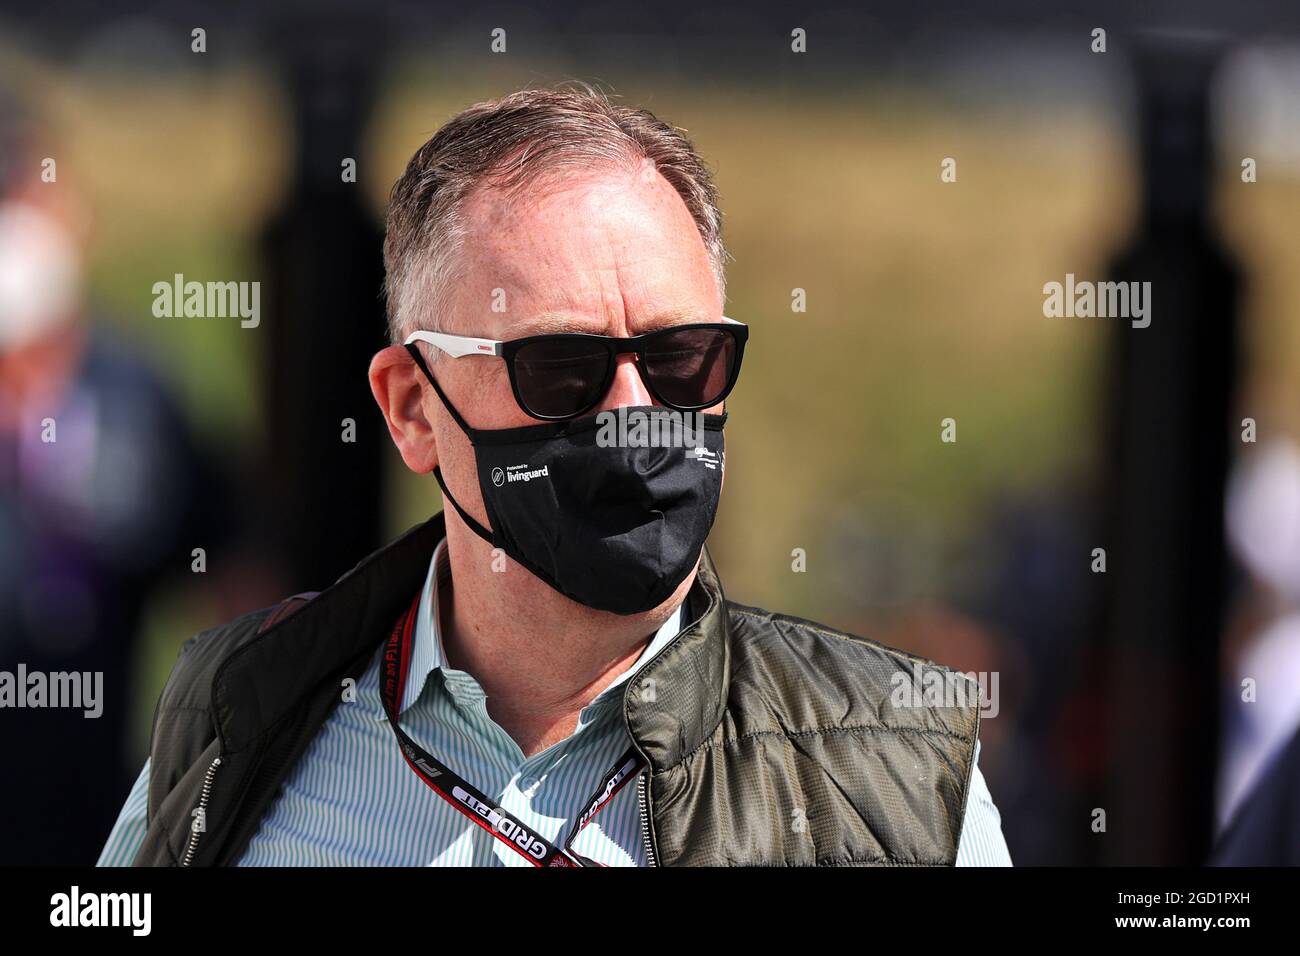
548, 673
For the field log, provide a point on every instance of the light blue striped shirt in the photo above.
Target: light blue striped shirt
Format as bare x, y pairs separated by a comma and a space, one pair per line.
353, 801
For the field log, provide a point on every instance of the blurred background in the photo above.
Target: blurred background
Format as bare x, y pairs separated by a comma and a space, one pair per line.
1163, 689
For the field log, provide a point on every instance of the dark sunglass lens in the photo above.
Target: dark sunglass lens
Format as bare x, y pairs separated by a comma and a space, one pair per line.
560, 377
690, 368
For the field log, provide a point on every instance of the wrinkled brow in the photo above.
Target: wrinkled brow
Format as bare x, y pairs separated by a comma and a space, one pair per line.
549, 323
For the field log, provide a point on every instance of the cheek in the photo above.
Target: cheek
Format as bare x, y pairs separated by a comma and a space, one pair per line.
483, 396
459, 467
494, 402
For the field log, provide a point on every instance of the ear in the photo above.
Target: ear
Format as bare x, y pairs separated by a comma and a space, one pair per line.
398, 388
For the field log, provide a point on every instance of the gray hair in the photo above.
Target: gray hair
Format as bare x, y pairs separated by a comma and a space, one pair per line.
512, 141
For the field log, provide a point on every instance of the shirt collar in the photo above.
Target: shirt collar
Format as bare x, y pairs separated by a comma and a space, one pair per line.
428, 654
670, 629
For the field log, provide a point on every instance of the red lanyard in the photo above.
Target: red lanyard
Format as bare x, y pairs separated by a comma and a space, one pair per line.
462, 795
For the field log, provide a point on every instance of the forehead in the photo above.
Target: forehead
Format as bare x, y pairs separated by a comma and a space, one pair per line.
612, 250
542, 323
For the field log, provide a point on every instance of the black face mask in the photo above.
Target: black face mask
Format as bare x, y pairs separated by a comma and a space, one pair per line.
615, 528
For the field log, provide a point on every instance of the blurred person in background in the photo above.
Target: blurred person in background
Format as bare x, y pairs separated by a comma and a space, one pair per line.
102, 493
1265, 828
1261, 667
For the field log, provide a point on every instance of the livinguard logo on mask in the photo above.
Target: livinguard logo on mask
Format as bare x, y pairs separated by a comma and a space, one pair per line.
519, 473
650, 428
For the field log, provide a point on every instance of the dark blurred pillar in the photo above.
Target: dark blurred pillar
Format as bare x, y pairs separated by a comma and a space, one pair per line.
324, 272
1170, 433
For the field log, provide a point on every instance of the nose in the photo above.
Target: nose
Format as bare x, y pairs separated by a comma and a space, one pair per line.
627, 387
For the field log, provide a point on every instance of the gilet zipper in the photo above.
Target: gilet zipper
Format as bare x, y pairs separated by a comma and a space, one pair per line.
642, 801
203, 807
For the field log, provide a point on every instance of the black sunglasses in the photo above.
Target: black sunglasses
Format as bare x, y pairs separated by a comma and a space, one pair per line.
566, 374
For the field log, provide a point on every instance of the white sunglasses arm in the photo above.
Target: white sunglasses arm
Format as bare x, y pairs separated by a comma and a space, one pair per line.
456, 345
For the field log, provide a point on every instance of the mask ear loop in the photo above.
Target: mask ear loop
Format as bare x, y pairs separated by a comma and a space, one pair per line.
419, 360
465, 516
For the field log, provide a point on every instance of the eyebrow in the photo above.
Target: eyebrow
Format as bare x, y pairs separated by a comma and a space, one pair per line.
548, 323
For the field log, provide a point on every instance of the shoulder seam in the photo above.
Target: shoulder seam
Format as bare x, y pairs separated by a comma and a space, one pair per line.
814, 732
756, 614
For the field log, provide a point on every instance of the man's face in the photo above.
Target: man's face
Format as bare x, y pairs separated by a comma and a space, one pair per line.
607, 251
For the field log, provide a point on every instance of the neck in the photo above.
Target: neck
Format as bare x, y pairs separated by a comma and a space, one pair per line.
539, 656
